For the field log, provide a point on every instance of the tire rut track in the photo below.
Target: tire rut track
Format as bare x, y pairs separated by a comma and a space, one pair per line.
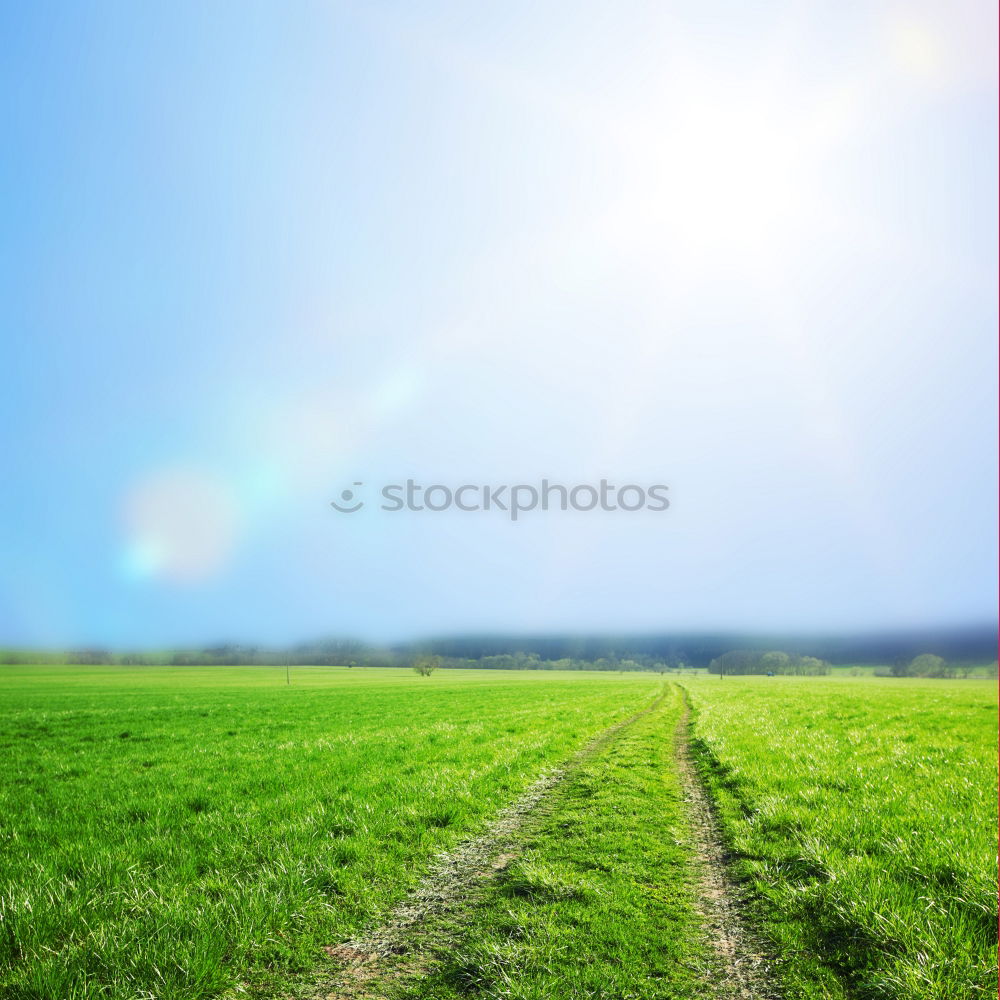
430, 918
744, 967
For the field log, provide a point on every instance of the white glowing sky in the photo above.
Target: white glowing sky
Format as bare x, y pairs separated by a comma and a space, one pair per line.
747, 250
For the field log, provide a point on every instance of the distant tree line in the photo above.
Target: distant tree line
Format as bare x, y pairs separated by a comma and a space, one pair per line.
347, 653
965, 644
353, 653
751, 661
747, 661
931, 665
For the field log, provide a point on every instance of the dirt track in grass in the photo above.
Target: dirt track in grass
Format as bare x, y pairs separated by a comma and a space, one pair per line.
744, 967
431, 920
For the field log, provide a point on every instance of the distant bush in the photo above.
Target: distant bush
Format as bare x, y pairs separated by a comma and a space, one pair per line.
426, 665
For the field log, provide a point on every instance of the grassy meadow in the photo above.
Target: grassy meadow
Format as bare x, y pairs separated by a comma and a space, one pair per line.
182, 833
195, 833
862, 817
600, 900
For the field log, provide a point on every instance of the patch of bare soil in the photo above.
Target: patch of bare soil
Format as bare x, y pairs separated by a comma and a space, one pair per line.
744, 968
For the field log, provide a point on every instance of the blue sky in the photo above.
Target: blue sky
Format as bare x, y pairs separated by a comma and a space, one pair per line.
254, 253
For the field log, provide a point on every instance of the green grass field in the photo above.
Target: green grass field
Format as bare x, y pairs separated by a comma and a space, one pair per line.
194, 833
863, 818
599, 900
176, 833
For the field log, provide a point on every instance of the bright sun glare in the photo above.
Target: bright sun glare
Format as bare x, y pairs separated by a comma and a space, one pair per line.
727, 177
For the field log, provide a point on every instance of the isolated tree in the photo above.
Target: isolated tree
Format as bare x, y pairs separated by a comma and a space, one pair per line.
927, 665
426, 665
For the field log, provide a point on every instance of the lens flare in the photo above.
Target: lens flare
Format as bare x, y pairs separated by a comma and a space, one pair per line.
180, 524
